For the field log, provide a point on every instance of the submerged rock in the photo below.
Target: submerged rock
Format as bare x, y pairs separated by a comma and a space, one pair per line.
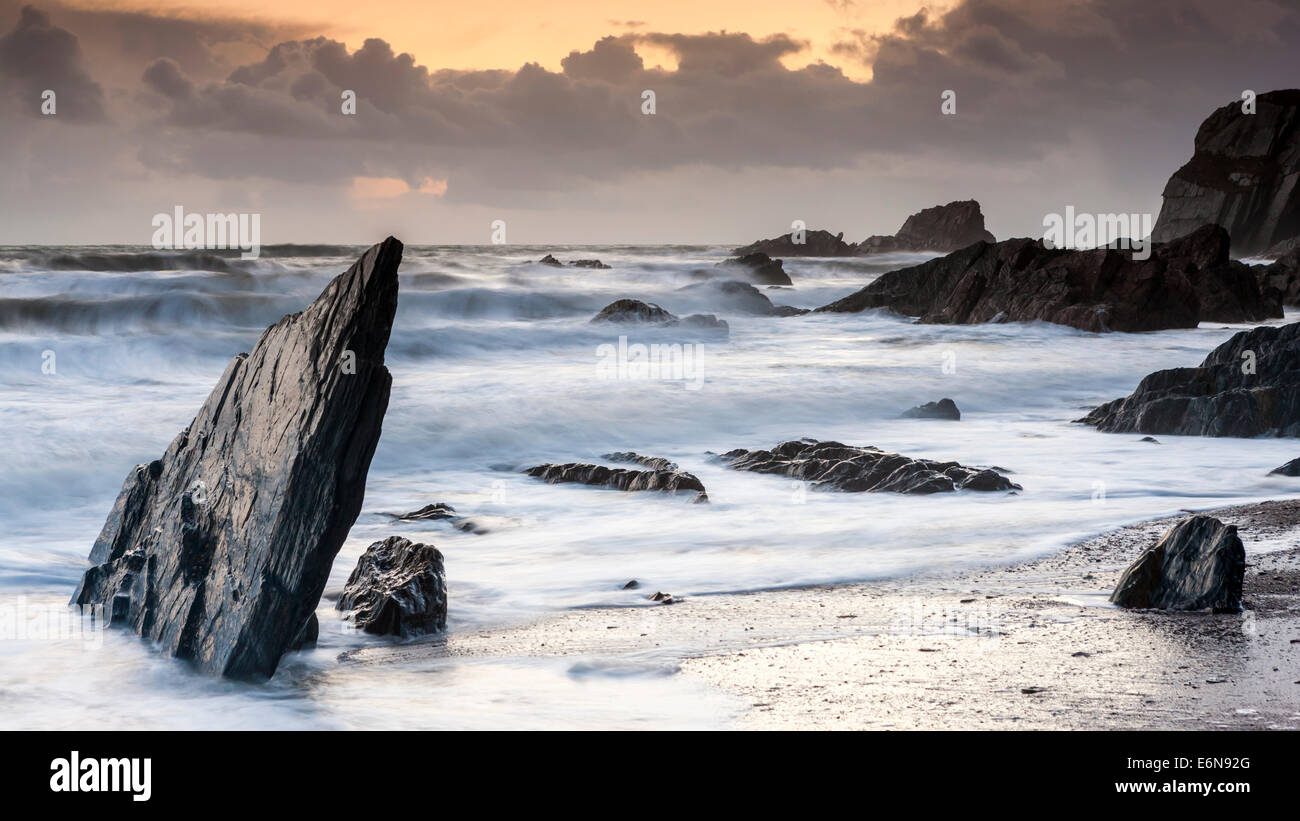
740, 297
647, 313
1241, 176
1248, 386
859, 469
1199, 563
1019, 280
815, 244
943, 409
219, 551
589, 263
398, 588
667, 481
760, 268
550, 260
943, 228
1291, 468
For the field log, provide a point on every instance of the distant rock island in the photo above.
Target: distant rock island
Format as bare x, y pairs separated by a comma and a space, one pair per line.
1244, 176
943, 228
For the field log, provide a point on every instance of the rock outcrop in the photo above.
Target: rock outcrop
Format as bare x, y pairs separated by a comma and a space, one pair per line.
1198, 564
943, 409
943, 228
429, 513
1248, 386
551, 261
858, 469
589, 263
398, 588
815, 244
1281, 279
1183, 282
759, 267
634, 311
219, 551
1244, 175
667, 481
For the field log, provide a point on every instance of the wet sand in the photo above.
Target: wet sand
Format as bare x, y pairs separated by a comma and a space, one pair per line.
1033, 646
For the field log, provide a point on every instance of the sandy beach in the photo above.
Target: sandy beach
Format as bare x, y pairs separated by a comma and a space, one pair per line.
1035, 645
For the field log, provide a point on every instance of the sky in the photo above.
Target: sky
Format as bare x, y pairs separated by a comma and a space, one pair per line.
825, 111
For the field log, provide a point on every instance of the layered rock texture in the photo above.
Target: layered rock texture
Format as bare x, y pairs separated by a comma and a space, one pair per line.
664, 480
398, 588
219, 551
1248, 386
1244, 175
1198, 564
1183, 282
837, 466
943, 228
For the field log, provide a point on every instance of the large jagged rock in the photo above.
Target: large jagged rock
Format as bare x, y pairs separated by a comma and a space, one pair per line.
1198, 564
1248, 386
943, 228
758, 267
667, 481
1244, 176
218, 552
1183, 282
854, 469
815, 244
398, 588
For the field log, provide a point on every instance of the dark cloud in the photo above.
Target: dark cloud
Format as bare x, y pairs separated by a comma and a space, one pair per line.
1106, 93
37, 56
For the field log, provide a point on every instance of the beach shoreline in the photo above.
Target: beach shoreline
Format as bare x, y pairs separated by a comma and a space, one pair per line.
1030, 646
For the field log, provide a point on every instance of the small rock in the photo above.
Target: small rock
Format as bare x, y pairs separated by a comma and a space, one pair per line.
398, 588
662, 598
632, 585
943, 409
550, 260
1291, 468
1199, 563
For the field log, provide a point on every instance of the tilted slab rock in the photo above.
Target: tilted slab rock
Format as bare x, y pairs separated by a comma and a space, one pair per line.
1248, 386
1198, 564
668, 481
855, 469
220, 550
1019, 280
1244, 175
398, 588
